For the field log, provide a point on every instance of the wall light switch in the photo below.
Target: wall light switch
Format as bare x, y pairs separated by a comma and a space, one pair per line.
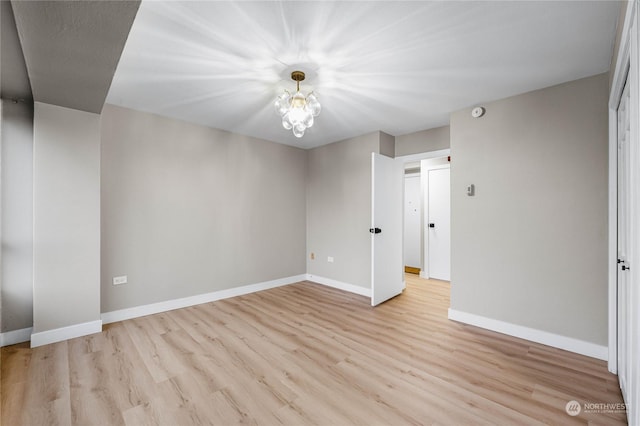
330, 259
120, 280
471, 190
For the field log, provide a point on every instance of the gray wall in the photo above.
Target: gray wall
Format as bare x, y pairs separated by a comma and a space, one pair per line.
423, 141
531, 247
387, 144
188, 210
17, 215
339, 209
66, 209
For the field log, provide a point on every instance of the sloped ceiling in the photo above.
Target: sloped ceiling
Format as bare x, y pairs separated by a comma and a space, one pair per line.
393, 66
14, 81
71, 48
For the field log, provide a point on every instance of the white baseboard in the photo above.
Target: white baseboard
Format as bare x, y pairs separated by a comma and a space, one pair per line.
362, 291
65, 333
169, 305
424, 275
15, 336
550, 339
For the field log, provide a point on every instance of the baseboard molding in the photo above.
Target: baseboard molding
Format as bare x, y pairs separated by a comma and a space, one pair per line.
423, 274
351, 288
550, 339
169, 305
65, 333
15, 336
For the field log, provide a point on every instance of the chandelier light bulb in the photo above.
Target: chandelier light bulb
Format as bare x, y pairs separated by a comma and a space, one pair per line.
298, 100
297, 111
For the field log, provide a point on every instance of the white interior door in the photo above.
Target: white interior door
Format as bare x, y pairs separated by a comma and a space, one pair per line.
626, 321
623, 241
387, 272
412, 220
439, 224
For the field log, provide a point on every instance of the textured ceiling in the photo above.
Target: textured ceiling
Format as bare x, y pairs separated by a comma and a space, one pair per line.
14, 81
393, 66
71, 48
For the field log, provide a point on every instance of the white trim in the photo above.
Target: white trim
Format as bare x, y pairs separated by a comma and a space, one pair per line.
550, 339
612, 272
632, 356
169, 305
351, 288
424, 155
15, 336
424, 274
65, 333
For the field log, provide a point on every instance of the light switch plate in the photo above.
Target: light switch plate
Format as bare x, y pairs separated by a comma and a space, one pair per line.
471, 190
120, 280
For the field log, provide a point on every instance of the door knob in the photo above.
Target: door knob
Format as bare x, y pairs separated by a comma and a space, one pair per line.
624, 267
432, 225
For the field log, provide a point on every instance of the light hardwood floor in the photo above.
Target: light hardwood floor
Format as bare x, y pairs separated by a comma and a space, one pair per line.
302, 354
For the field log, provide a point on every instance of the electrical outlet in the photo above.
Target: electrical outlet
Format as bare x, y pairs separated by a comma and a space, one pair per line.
330, 259
313, 256
120, 280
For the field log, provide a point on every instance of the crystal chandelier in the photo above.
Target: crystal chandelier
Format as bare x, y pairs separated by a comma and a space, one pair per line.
297, 111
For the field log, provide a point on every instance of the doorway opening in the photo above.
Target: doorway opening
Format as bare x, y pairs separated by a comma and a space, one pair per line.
419, 267
426, 215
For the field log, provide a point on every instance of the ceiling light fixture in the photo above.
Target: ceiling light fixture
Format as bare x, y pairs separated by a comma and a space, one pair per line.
297, 111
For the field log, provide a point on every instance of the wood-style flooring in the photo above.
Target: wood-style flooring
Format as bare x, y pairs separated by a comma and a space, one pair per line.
302, 354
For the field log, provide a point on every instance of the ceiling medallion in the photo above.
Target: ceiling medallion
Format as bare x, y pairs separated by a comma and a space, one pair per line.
297, 111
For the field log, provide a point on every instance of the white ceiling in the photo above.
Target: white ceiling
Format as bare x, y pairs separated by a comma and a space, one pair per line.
393, 66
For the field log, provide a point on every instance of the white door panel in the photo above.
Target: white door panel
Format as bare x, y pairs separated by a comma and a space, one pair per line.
387, 272
623, 241
438, 226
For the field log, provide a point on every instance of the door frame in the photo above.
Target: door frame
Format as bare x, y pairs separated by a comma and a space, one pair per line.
418, 177
412, 158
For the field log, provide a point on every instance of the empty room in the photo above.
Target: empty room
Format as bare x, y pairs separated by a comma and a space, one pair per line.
319, 212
